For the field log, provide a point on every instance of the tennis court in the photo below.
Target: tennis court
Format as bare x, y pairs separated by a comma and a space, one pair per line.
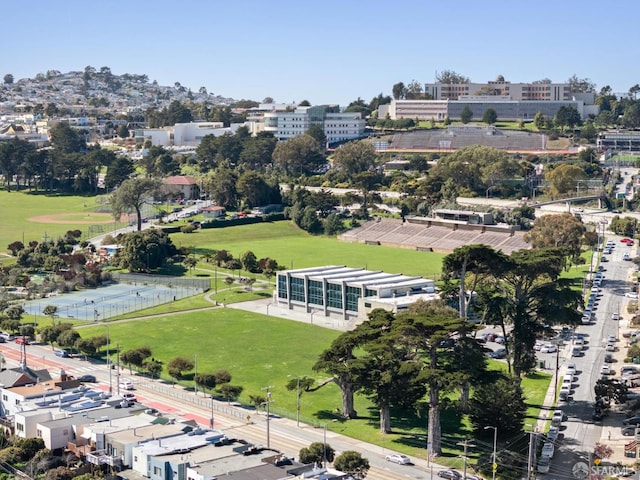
109, 301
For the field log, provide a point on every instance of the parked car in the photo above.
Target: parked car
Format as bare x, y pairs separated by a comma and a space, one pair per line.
449, 474
500, 353
22, 341
398, 458
572, 369
605, 370
608, 358
130, 397
577, 352
552, 434
548, 348
548, 449
543, 464
557, 417
615, 316
87, 378
635, 420
7, 336
61, 353
629, 430
626, 257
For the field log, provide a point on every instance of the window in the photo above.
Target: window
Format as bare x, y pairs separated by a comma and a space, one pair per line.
297, 289
19, 427
135, 458
157, 470
282, 286
39, 433
315, 292
334, 295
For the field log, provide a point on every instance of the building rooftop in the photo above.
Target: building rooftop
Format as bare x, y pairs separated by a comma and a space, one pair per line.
147, 432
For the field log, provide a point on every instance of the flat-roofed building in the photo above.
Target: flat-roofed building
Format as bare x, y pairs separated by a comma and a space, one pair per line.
337, 290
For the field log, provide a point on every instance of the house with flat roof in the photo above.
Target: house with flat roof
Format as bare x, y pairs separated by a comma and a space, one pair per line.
336, 290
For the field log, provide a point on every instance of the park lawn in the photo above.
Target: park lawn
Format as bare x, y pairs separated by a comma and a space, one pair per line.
294, 248
19, 206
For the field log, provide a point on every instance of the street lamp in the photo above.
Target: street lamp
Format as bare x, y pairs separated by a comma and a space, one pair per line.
268, 402
108, 362
495, 444
297, 399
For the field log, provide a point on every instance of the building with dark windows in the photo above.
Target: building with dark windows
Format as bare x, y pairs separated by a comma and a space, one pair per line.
349, 293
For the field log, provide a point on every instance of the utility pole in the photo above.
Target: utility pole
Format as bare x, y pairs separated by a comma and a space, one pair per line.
530, 455
118, 367
555, 387
465, 445
268, 402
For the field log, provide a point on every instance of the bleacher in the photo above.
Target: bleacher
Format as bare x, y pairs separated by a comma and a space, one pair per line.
455, 139
439, 237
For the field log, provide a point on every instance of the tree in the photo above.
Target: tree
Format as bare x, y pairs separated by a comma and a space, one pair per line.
499, 403
538, 120
205, 381
230, 392
153, 367
399, 91
135, 357
190, 262
68, 338
317, 132
354, 157
566, 116
565, 178
353, 463
451, 77
581, 85
299, 155
118, 171
8, 79
178, 366
466, 115
50, 311
490, 116
144, 251
85, 346
561, 231
318, 453
132, 195
414, 91
333, 225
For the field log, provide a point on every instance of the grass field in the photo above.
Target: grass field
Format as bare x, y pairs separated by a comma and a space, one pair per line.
259, 350
76, 212
293, 248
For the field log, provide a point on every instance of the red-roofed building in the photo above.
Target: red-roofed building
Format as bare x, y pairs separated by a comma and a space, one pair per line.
182, 186
214, 211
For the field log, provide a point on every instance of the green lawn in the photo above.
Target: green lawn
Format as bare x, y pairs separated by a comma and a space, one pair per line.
18, 207
293, 248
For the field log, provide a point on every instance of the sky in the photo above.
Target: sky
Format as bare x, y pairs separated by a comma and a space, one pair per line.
326, 51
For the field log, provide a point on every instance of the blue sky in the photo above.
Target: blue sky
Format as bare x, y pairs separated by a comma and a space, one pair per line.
324, 51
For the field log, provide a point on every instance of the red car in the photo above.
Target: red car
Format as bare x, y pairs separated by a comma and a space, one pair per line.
627, 241
22, 340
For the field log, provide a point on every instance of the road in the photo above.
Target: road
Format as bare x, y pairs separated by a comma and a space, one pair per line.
579, 433
284, 435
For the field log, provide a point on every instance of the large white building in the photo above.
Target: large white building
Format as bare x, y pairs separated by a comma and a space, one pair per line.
337, 126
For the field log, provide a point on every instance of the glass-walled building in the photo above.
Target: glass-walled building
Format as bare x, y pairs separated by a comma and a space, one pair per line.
337, 290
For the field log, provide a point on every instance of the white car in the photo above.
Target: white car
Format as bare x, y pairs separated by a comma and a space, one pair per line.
126, 385
548, 348
611, 347
398, 458
605, 370
548, 449
557, 417
612, 338
615, 316
631, 295
572, 369
552, 434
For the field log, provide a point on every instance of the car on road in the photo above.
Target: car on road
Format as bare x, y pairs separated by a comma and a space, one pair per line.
23, 341
635, 420
398, 458
615, 316
87, 378
577, 352
627, 472
548, 348
626, 240
130, 397
126, 385
557, 417
548, 449
629, 430
552, 434
62, 353
626, 257
543, 464
450, 474
631, 295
